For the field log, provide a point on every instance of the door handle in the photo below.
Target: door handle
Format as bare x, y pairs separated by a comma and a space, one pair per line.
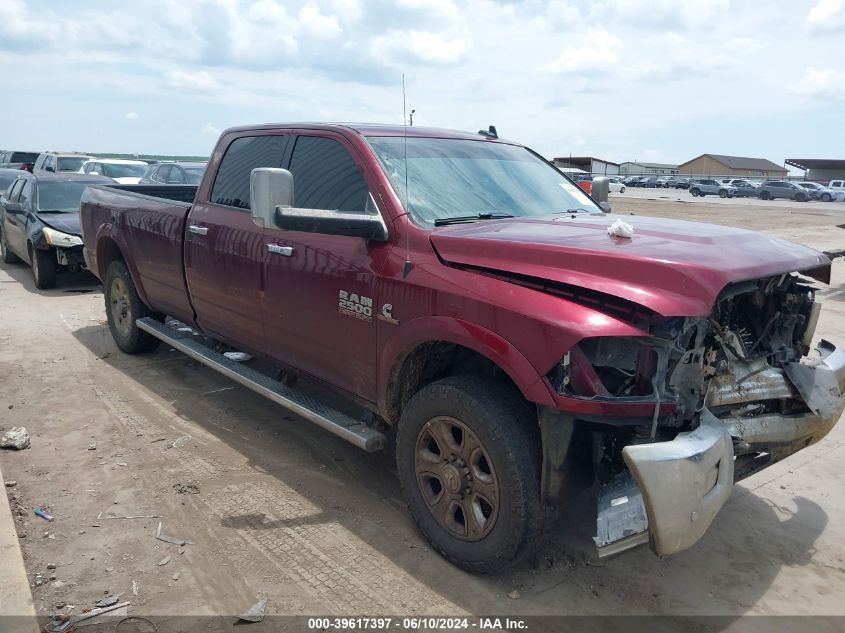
278, 249
199, 230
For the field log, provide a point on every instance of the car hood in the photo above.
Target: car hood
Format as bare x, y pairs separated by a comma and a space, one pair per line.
64, 222
673, 267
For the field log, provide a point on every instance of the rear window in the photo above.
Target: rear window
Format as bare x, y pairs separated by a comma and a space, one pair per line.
23, 157
231, 187
122, 170
70, 163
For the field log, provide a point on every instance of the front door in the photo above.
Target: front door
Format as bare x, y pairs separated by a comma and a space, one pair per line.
225, 249
320, 301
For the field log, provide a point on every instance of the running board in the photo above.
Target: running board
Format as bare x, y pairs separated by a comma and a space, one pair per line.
342, 425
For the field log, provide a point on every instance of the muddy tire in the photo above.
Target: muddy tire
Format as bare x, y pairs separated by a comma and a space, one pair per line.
44, 267
7, 255
468, 457
123, 307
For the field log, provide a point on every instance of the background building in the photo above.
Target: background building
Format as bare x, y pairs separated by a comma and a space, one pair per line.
819, 168
721, 165
631, 168
589, 164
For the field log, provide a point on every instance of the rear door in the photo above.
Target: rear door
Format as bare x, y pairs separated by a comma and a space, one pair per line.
224, 248
320, 302
14, 224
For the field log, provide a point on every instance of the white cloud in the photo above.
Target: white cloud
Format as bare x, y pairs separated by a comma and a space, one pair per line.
441, 9
195, 82
596, 50
427, 47
131, 116
315, 23
209, 130
660, 14
821, 82
826, 16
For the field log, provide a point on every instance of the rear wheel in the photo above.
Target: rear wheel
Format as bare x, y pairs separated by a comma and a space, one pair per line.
8, 256
723, 193
801, 197
765, 195
44, 267
123, 308
469, 467
694, 192
826, 197
622, 190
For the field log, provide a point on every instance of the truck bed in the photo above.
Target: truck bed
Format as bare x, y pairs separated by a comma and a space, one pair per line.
147, 224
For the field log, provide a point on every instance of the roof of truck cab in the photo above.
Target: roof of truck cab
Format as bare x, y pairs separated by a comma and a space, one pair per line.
371, 129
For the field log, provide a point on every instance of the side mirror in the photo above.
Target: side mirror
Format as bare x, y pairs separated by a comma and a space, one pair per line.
605, 206
14, 207
369, 226
601, 189
269, 187
49, 168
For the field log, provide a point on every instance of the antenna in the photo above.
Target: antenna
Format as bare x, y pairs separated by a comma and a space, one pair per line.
407, 268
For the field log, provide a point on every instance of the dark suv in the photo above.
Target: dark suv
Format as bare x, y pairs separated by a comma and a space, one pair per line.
174, 174
772, 189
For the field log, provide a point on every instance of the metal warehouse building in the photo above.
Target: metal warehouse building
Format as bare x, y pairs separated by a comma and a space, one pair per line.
589, 164
721, 165
819, 168
635, 168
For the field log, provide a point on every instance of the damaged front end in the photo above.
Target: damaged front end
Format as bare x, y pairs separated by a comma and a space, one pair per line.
672, 419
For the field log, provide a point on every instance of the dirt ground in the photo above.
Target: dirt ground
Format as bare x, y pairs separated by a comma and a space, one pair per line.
277, 508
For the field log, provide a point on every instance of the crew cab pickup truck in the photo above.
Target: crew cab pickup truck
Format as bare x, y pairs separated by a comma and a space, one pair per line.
460, 289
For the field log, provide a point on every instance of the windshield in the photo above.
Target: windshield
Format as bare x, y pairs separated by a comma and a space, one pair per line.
60, 196
71, 164
118, 170
194, 174
450, 178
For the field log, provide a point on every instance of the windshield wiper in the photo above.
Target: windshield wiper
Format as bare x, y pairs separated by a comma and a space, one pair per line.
471, 218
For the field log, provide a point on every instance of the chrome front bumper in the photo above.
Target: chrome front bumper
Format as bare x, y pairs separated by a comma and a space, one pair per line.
685, 482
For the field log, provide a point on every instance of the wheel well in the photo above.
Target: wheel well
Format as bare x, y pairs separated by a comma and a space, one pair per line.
107, 252
432, 361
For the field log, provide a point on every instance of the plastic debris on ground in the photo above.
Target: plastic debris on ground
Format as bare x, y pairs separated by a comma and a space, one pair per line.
255, 612
237, 356
40, 512
170, 539
179, 442
620, 228
17, 437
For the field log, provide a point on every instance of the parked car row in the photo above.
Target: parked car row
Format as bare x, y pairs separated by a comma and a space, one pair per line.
769, 190
657, 182
39, 203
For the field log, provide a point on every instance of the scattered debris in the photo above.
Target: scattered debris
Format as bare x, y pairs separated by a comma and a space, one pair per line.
620, 228
39, 580
92, 446
134, 587
11, 484
514, 595
170, 539
51, 565
58, 623
40, 512
189, 489
179, 442
158, 439
255, 612
239, 357
61, 605
107, 601
130, 516
58, 584
17, 437
163, 561
176, 575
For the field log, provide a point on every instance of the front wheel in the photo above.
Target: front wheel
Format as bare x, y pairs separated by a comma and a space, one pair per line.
44, 267
694, 192
622, 190
723, 193
123, 308
468, 458
826, 197
765, 195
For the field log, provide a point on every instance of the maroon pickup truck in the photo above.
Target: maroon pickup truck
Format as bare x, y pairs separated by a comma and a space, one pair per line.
460, 290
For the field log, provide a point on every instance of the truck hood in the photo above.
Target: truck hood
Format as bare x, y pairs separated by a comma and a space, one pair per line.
673, 267
64, 222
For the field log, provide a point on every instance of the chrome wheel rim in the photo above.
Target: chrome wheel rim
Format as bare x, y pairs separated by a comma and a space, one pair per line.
456, 478
120, 308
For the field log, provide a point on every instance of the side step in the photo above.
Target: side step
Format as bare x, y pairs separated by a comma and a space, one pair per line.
342, 425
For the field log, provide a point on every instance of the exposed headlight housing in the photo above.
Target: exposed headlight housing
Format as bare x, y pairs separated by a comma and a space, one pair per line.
57, 238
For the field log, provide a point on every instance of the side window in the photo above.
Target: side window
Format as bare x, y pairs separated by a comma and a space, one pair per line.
162, 174
326, 177
26, 195
177, 175
15, 191
231, 186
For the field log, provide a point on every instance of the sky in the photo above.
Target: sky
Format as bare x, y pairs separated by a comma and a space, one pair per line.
647, 80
